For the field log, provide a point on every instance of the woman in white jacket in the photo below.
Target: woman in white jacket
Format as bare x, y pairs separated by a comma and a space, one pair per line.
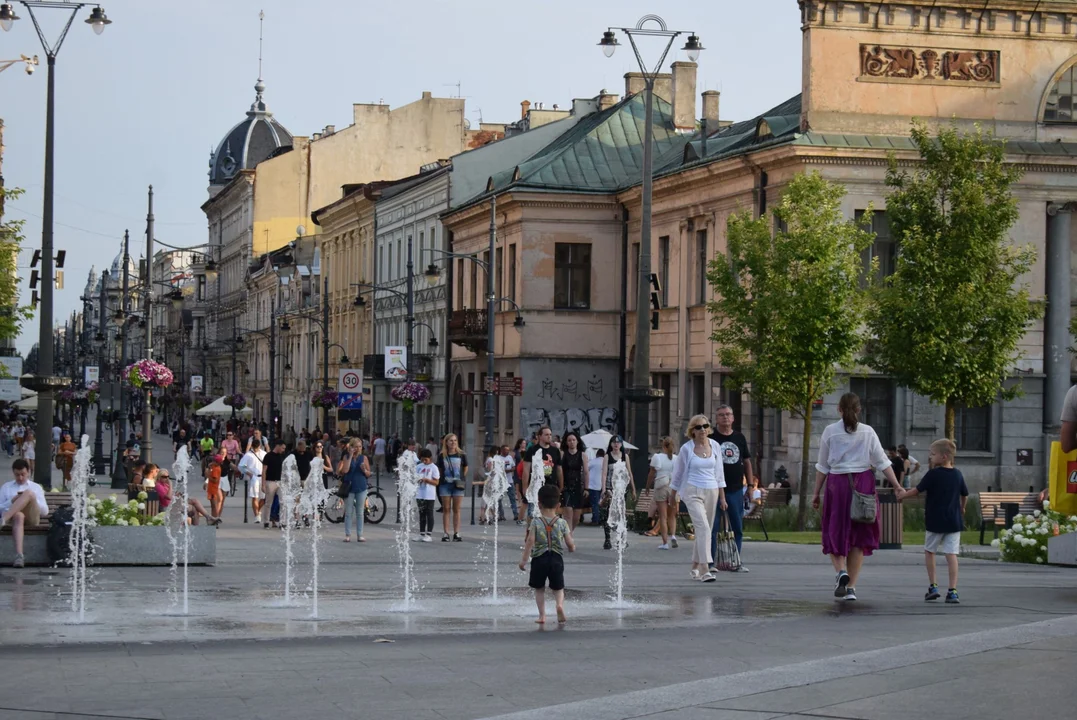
699, 479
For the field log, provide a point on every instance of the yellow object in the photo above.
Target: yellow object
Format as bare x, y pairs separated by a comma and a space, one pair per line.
1063, 480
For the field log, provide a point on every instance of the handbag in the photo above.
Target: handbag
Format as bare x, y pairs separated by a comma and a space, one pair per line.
863, 507
728, 557
345, 487
225, 485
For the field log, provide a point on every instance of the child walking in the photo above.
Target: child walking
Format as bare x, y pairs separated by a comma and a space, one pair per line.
944, 513
429, 476
547, 537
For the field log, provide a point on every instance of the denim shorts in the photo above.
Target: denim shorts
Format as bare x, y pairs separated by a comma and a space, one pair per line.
449, 490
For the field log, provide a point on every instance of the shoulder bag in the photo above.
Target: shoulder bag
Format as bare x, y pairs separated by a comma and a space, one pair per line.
863, 507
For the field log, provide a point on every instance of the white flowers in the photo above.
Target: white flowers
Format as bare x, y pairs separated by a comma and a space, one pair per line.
142, 506
1036, 513
994, 543
1018, 527
91, 509
1046, 505
1039, 559
122, 523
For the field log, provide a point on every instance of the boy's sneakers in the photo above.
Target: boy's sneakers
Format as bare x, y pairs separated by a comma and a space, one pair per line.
951, 596
664, 546
841, 584
673, 541
932, 593
850, 594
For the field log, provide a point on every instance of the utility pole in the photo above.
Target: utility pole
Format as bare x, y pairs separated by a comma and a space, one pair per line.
409, 408
119, 474
491, 304
147, 413
272, 368
325, 346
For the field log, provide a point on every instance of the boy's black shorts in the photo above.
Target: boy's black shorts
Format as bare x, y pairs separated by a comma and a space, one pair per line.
548, 566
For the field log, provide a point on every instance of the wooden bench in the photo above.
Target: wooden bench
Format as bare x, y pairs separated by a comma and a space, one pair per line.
992, 513
644, 507
54, 500
153, 505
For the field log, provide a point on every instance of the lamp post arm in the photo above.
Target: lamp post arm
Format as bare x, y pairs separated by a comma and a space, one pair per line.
463, 256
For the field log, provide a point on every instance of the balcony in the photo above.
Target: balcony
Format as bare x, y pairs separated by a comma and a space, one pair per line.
468, 329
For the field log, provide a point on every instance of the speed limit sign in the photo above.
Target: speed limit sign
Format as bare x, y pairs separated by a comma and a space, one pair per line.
350, 381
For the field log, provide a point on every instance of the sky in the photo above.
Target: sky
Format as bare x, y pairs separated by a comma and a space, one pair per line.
145, 102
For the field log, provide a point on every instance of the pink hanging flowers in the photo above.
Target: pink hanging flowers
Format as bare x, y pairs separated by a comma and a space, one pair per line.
147, 373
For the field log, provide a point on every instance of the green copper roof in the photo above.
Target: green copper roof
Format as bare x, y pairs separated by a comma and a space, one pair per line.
890, 142
602, 153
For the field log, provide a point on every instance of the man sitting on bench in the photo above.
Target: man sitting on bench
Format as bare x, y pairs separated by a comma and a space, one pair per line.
22, 502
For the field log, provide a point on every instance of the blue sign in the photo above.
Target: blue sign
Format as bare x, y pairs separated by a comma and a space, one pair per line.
350, 401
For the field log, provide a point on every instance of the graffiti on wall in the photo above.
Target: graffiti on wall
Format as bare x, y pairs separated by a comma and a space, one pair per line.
562, 420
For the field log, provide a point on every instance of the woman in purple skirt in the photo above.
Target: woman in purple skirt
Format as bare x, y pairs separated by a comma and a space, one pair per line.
848, 451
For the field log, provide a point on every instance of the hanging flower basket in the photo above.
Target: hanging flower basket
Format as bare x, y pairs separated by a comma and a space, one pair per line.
236, 401
147, 373
200, 401
324, 399
410, 393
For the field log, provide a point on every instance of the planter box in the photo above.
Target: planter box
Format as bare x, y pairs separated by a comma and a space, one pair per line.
1062, 550
123, 546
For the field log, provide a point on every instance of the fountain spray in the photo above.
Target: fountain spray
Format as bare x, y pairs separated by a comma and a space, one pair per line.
497, 484
78, 540
311, 500
618, 523
289, 490
407, 486
180, 493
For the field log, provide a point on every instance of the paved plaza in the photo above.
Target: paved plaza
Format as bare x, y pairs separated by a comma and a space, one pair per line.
771, 643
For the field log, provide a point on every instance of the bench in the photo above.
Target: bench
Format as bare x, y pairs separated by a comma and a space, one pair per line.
54, 500
644, 507
153, 505
992, 513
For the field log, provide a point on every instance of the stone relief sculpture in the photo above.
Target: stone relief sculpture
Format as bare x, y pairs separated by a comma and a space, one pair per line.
885, 64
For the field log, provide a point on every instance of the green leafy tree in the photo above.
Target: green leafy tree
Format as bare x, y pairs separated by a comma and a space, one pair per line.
790, 306
947, 323
12, 315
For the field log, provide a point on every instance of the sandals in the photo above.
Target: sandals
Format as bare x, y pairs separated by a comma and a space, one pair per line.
347, 538
445, 537
695, 574
708, 577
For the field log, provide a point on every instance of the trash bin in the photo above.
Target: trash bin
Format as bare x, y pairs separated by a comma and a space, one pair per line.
892, 518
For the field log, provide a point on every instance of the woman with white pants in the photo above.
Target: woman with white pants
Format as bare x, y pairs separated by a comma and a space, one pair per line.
699, 479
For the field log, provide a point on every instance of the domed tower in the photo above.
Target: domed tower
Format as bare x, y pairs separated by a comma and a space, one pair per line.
256, 138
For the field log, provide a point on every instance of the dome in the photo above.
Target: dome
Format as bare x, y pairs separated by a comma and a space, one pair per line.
116, 271
91, 283
256, 138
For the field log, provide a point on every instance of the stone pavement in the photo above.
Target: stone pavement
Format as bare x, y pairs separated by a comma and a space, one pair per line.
772, 643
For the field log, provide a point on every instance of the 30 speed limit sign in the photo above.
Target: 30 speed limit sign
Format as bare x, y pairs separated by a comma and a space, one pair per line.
350, 381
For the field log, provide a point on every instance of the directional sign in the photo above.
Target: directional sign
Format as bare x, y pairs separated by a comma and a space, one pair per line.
505, 386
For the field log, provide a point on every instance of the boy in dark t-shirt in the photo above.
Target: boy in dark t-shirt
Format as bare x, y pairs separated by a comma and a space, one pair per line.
944, 513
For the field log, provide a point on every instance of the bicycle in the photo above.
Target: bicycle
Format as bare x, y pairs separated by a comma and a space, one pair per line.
373, 512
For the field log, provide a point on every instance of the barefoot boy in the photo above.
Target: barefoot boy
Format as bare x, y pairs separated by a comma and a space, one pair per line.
547, 538
944, 513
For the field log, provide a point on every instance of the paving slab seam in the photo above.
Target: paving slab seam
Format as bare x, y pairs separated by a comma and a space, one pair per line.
35, 711
709, 691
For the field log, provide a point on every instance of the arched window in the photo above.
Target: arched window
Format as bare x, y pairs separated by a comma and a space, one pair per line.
1061, 103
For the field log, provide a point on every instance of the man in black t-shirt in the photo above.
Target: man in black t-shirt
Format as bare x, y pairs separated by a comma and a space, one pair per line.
543, 451
273, 464
737, 464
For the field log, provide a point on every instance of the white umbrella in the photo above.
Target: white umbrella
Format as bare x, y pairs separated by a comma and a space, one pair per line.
218, 408
600, 440
27, 403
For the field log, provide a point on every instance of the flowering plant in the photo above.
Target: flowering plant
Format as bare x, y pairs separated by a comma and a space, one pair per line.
236, 401
111, 512
1026, 541
324, 399
148, 373
200, 401
410, 393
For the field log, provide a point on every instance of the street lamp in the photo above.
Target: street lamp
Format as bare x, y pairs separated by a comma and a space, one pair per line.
641, 394
44, 382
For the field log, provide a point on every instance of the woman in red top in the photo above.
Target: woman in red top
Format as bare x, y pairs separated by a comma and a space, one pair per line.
213, 486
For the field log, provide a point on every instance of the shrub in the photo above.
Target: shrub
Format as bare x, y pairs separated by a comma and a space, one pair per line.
1026, 541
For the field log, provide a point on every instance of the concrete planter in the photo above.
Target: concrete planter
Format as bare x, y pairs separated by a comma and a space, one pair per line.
115, 545
1062, 550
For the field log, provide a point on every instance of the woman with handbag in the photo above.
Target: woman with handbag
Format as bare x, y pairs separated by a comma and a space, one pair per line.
848, 450
452, 465
354, 470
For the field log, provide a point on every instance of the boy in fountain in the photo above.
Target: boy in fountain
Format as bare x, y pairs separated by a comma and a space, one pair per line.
547, 538
944, 512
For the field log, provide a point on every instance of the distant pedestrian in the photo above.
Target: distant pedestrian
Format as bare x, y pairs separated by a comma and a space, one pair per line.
595, 482
573, 473
379, 452
354, 469
659, 478
737, 464
848, 450
699, 478
547, 538
424, 496
944, 514
615, 455
452, 467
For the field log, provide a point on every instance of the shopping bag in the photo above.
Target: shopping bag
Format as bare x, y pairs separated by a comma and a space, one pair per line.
728, 557
1063, 475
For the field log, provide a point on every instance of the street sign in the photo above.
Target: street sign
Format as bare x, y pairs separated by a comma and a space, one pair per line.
92, 374
349, 390
505, 386
396, 362
10, 390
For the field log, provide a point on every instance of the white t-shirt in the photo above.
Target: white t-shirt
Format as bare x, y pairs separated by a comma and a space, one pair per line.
428, 472
379, 446
510, 468
56, 434
707, 473
11, 490
843, 452
594, 474
663, 469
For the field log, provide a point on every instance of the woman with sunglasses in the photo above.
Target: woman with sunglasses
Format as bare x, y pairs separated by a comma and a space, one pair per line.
699, 479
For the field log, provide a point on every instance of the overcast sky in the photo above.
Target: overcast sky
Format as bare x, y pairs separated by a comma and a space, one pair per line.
146, 101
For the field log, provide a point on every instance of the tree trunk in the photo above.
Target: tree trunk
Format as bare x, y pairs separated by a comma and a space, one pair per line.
805, 455
950, 413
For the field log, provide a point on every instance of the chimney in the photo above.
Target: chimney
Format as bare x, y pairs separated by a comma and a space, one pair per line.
606, 100
427, 95
524, 107
633, 83
330, 129
684, 96
710, 108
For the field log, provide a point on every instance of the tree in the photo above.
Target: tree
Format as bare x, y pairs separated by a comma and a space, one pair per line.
947, 323
790, 307
11, 314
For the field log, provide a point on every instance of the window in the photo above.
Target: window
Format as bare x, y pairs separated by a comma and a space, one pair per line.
399, 261
499, 265
512, 272
473, 272
470, 398
663, 268
388, 262
201, 287
884, 248
972, 427
701, 267
633, 276
482, 409
877, 402
1061, 102
572, 276
663, 383
486, 276
432, 256
459, 280
509, 410
422, 252
699, 395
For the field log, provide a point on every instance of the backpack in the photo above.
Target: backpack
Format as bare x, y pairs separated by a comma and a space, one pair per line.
58, 540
